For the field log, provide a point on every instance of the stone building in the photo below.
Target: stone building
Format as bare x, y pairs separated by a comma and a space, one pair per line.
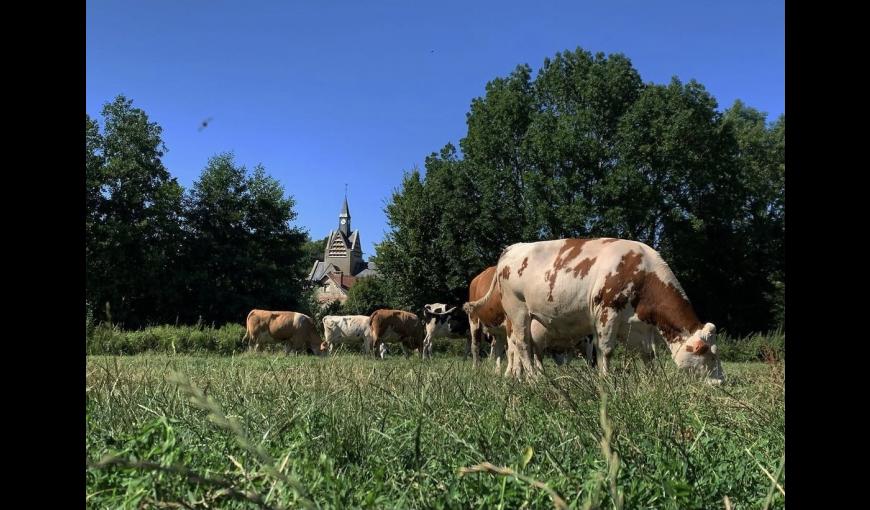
342, 262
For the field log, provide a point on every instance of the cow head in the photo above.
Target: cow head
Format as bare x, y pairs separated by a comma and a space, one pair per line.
698, 354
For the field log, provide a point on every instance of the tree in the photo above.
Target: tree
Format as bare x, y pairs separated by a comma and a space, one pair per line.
241, 252
133, 208
367, 295
585, 149
762, 214
314, 249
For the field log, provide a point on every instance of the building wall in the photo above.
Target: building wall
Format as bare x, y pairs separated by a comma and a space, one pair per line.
351, 263
330, 292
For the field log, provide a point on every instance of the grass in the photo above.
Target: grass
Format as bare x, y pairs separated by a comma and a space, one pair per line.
106, 338
273, 431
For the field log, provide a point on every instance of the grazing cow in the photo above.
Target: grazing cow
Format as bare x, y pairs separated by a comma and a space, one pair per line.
443, 322
613, 289
294, 329
338, 328
396, 325
489, 321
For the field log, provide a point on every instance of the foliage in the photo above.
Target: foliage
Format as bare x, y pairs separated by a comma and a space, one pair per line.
586, 149
157, 254
367, 295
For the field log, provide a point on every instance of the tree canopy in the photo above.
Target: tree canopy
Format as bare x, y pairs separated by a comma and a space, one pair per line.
586, 149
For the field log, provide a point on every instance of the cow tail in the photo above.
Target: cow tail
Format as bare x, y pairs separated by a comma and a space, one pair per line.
248, 336
472, 306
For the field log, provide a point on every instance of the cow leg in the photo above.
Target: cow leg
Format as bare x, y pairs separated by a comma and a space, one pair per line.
473, 342
256, 341
607, 338
472, 330
538, 356
509, 354
498, 349
427, 348
648, 353
468, 343
382, 350
590, 351
524, 352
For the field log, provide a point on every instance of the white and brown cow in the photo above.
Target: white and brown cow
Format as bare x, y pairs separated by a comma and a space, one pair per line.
398, 325
338, 328
489, 320
295, 330
441, 321
613, 289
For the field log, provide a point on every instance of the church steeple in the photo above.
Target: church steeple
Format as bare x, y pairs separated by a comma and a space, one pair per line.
344, 218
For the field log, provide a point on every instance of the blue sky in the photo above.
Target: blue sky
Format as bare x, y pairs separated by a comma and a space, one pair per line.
328, 93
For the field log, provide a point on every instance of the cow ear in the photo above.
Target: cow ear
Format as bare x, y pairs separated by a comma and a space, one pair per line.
699, 347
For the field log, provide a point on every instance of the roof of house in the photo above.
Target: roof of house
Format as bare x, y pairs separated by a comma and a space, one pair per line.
367, 272
342, 280
320, 269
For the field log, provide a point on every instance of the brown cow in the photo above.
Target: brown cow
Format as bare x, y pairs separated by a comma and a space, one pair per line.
396, 324
488, 320
294, 329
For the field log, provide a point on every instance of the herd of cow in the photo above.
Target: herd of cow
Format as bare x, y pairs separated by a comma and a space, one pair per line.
558, 297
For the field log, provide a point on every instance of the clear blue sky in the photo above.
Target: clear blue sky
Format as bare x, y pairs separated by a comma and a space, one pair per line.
323, 93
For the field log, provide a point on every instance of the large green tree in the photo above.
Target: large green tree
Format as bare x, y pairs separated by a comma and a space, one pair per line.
367, 295
133, 209
314, 249
242, 251
587, 149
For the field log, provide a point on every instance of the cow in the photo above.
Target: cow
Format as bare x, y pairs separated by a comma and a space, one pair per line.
294, 329
337, 328
617, 290
489, 321
443, 322
398, 325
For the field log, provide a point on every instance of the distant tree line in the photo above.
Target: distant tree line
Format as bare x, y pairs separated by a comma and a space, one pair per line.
157, 253
585, 148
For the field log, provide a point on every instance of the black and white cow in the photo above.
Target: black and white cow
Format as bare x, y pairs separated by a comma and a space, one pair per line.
441, 321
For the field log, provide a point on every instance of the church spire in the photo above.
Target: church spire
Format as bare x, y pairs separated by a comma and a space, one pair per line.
344, 216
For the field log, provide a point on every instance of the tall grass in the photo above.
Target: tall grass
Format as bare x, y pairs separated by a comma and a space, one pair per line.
275, 431
106, 338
